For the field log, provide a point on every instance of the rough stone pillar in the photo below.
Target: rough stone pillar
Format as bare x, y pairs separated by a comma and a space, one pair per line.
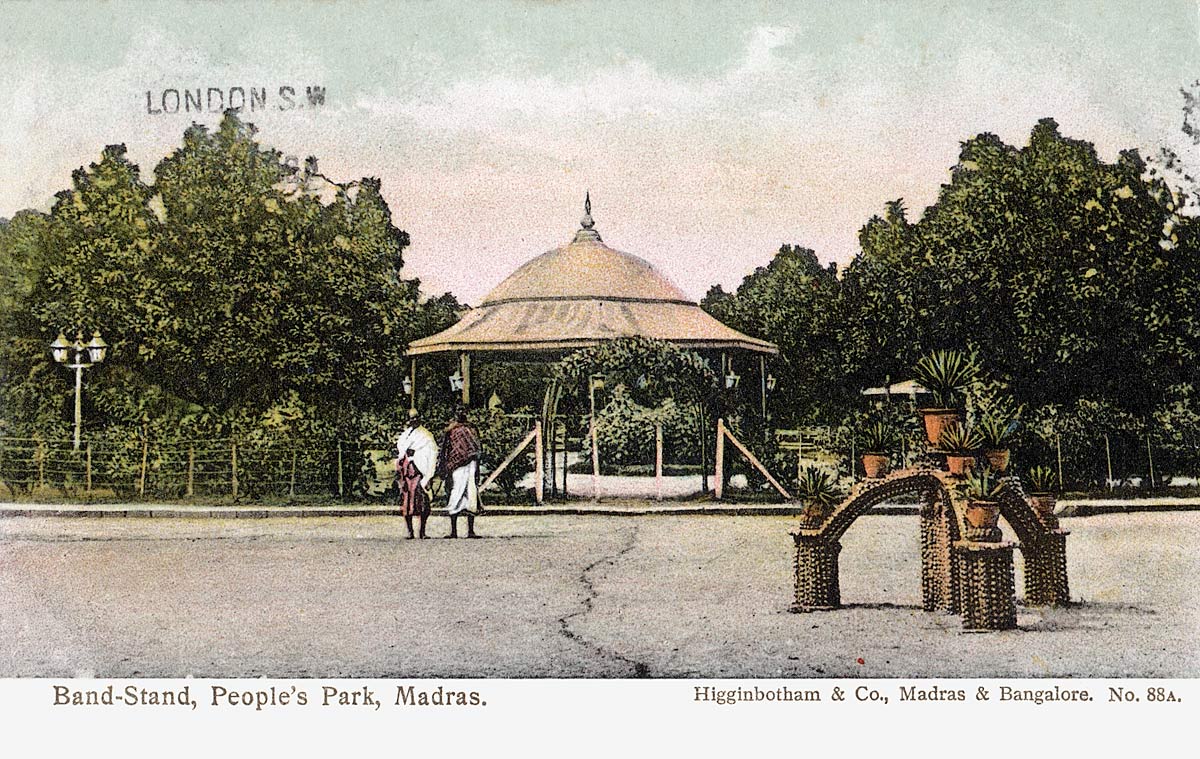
817, 573
1046, 570
958, 581
935, 557
988, 594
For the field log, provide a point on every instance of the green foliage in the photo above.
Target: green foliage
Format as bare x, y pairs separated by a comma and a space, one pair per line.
651, 370
1041, 479
1073, 278
499, 433
231, 296
960, 439
984, 485
816, 487
995, 432
848, 441
622, 432
644, 382
947, 374
794, 303
878, 438
625, 430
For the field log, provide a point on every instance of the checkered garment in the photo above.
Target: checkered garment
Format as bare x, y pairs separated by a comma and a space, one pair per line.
459, 446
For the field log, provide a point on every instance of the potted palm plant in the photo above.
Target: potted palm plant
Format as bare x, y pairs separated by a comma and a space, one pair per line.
816, 491
996, 434
946, 374
959, 443
1041, 482
877, 440
983, 504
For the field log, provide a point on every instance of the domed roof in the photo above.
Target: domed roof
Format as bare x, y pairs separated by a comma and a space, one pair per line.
586, 268
579, 295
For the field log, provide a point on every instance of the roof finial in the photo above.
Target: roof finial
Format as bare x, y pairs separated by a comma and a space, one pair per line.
587, 222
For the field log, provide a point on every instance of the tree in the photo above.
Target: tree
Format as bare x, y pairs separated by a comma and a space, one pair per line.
229, 284
1049, 262
794, 303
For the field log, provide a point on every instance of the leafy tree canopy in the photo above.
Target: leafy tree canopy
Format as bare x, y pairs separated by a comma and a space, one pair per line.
227, 283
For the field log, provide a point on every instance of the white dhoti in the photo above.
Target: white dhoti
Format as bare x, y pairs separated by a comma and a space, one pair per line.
464, 490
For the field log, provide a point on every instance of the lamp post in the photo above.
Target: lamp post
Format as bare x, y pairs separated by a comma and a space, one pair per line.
86, 355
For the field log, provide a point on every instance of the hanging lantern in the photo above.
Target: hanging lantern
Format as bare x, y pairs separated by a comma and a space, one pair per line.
97, 348
59, 348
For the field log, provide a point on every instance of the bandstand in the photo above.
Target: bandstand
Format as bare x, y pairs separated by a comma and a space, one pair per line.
578, 296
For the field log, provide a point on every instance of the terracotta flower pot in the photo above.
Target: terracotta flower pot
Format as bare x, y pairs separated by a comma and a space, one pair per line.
813, 514
875, 465
1043, 503
960, 463
938, 419
997, 459
983, 515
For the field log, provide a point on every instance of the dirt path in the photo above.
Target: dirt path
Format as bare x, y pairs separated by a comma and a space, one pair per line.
669, 596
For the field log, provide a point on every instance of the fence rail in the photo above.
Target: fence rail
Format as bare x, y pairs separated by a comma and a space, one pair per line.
144, 467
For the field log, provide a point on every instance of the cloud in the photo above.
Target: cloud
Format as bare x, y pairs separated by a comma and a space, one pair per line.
792, 131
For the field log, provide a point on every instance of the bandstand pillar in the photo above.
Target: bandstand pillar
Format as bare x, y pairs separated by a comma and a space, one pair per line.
412, 395
464, 368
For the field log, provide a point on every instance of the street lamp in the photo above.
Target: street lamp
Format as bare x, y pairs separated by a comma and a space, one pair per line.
407, 386
456, 381
771, 381
86, 355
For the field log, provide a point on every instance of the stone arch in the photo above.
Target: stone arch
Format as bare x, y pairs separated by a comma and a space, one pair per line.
1043, 547
964, 570
818, 545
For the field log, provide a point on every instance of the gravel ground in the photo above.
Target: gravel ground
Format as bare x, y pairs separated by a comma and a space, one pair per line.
555, 596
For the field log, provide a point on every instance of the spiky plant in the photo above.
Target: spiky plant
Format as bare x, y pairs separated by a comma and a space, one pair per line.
947, 374
996, 432
878, 438
984, 485
1041, 478
958, 438
816, 488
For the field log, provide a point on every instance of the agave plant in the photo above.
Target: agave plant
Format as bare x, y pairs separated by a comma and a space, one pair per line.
984, 485
995, 432
878, 438
815, 487
946, 374
958, 438
1042, 479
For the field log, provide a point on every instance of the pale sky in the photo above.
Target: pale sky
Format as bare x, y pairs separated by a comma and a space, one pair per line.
708, 134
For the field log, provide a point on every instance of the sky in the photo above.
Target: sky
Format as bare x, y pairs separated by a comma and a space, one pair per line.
708, 134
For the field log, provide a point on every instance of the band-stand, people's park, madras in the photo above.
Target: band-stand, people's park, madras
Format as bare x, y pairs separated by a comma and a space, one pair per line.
578, 296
